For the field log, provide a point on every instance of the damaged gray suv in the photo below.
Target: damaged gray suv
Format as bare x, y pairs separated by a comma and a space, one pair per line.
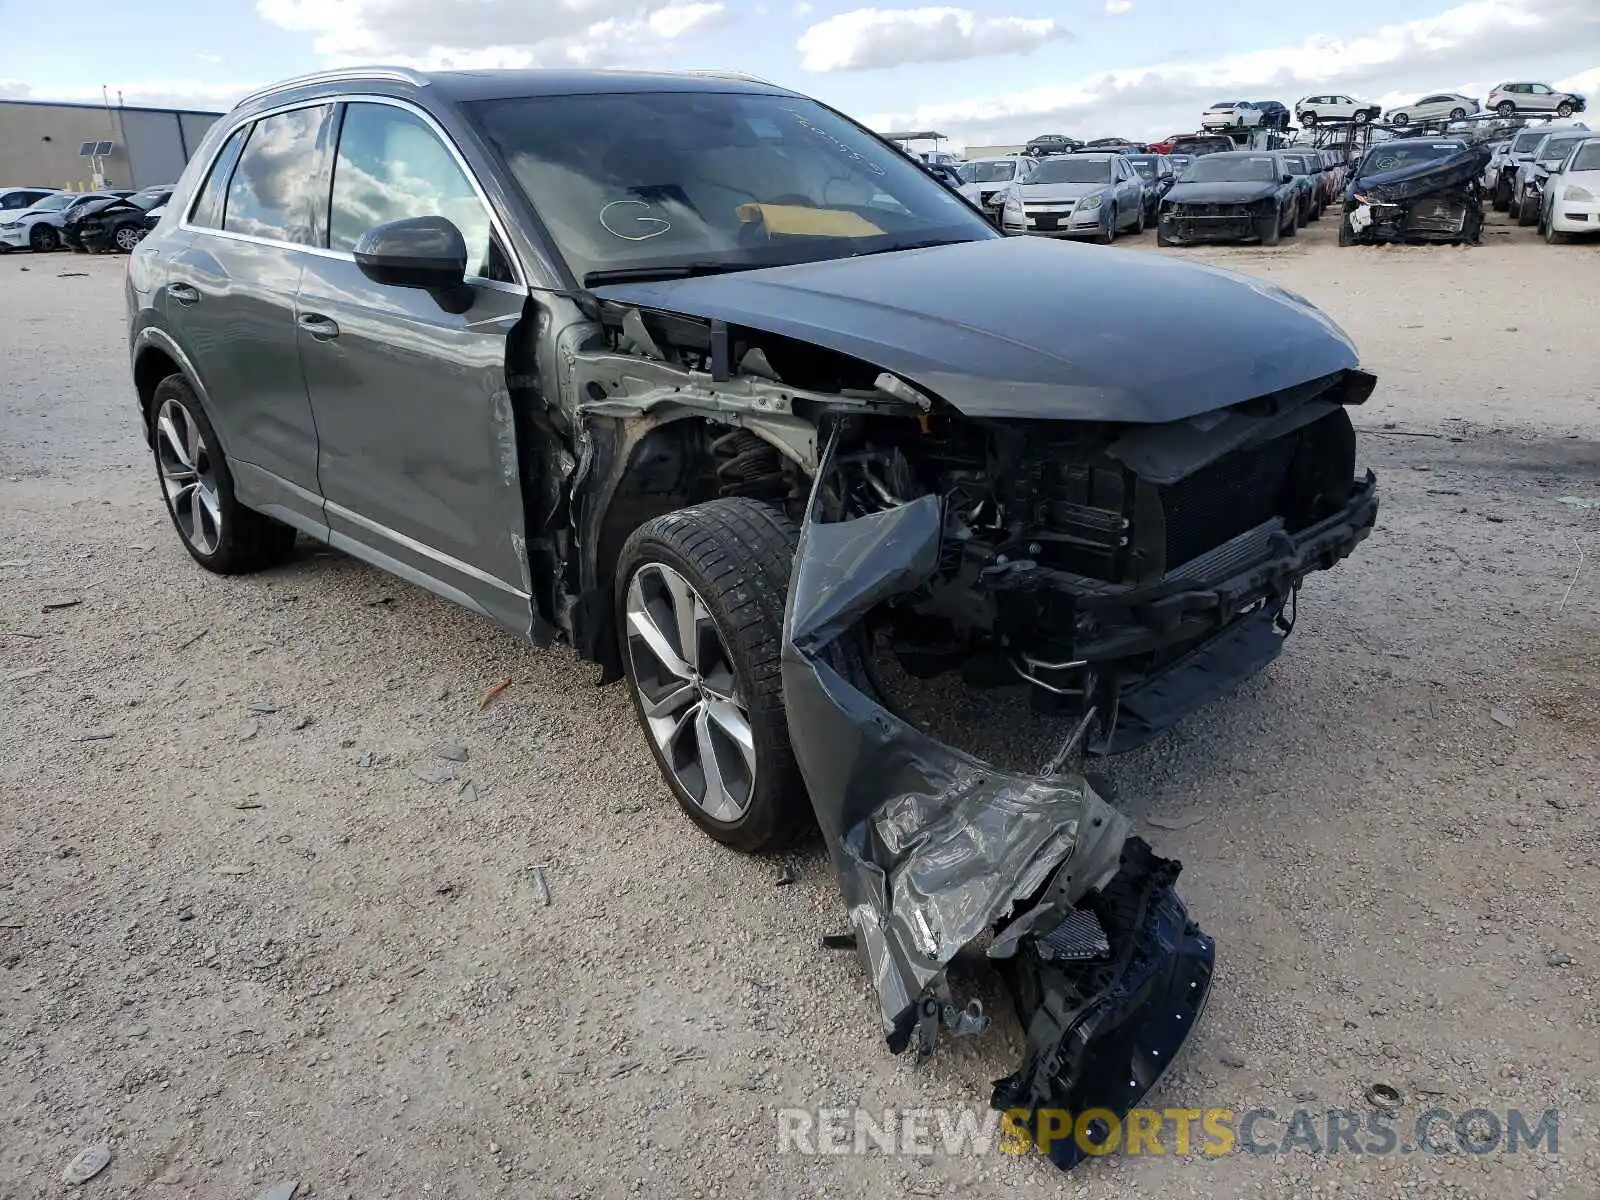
705, 380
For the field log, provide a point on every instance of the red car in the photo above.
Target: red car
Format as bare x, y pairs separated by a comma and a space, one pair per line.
1164, 146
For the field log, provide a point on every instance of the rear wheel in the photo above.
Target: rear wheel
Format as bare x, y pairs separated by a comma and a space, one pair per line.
1308, 119
1400, 119
219, 533
1457, 114
1506, 108
700, 596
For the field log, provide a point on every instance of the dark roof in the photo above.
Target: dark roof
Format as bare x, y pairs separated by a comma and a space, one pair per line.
188, 112
497, 85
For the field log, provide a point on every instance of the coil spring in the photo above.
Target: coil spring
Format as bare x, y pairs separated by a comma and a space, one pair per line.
749, 466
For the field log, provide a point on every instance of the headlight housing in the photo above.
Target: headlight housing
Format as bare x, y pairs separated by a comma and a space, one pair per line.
9, 224
1571, 192
1011, 205
1090, 203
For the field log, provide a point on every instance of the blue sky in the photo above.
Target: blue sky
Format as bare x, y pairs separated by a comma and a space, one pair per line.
983, 70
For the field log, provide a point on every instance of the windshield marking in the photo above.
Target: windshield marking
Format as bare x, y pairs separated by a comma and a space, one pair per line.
642, 220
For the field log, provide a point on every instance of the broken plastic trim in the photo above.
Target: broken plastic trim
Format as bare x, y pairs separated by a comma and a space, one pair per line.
933, 847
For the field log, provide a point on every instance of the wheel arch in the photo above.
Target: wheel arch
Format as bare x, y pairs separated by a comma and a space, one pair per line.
155, 357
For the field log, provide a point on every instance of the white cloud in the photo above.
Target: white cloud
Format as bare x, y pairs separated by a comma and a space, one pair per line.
802, 8
1446, 51
210, 59
440, 35
868, 38
1115, 8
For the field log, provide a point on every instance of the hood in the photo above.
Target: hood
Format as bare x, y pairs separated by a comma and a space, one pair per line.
1423, 178
1032, 327
1221, 193
88, 208
1046, 193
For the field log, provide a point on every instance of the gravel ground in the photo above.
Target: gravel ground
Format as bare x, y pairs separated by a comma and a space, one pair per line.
254, 927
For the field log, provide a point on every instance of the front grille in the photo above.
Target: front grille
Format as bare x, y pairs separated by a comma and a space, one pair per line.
1211, 210
1437, 216
1225, 498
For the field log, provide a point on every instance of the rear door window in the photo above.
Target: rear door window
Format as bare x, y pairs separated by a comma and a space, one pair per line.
391, 165
277, 188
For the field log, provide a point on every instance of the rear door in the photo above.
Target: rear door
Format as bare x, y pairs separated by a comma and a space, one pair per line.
418, 456
229, 302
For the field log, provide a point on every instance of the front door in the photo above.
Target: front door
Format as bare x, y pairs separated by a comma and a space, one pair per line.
418, 455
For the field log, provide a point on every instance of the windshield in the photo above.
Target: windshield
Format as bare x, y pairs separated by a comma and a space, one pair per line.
988, 172
1217, 168
1555, 151
641, 181
1393, 156
1198, 146
1587, 158
1295, 164
1226, 104
148, 200
1071, 170
56, 202
1524, 143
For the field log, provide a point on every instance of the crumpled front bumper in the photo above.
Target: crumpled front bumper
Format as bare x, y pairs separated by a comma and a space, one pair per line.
934, 849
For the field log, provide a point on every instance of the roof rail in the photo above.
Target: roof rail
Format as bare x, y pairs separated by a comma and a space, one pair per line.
718, 73
389, 74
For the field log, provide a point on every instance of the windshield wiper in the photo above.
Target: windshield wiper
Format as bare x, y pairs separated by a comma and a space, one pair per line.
684, 270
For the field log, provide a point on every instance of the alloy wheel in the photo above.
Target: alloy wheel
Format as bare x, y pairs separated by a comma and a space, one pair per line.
127, 238
684, 677
188, 474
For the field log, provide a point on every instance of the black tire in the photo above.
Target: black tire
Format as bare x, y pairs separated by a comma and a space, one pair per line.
1502, 195
1108, 235
1270, 228
1363, 117
1514, 204
1162, 237
42, 239
1526, 213
1552, 235
1347, 236
1400, 119
1308, 119
1564, 109
249, 541
1457, 114
1292, 229
1138, 223
1506, 108
737, 554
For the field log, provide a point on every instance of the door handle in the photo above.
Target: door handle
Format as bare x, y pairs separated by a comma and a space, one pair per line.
184, 293
324, 329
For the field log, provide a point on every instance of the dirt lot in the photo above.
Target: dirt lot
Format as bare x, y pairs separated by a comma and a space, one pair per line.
254, 928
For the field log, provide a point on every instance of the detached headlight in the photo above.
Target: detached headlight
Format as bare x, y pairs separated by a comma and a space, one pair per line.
1572, 192
1090, 203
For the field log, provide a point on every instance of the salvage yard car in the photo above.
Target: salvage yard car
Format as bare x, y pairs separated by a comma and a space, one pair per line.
1528, 181
1441, 106
1416, 190
1513, 99
1234, 197
1335, 107
709, 382
1571, 199
117, 224
1082, 195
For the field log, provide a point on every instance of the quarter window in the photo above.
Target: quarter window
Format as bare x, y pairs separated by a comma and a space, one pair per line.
208, 207
274, 190
391, 165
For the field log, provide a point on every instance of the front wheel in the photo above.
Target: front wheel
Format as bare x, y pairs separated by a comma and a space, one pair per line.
1347, 236
127, 237
1363, 117
219, 533
1271, 228
1502, 196
1108, 235
1552, 235
1138, 222
700, 596
1564, 109
42, 239
1527, 213
1163, 238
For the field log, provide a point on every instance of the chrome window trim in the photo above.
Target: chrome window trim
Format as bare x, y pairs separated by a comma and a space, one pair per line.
336, 75
519, 285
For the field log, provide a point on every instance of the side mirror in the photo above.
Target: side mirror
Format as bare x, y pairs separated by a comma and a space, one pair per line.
427, 253
1286, 179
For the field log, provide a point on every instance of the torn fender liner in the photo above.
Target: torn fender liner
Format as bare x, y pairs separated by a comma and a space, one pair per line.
934, 848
